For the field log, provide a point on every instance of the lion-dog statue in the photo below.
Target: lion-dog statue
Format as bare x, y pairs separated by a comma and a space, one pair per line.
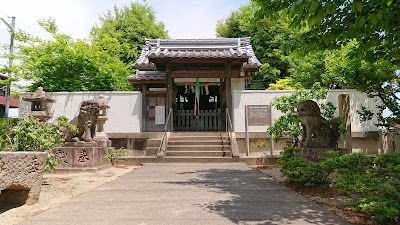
317, 132
85, 122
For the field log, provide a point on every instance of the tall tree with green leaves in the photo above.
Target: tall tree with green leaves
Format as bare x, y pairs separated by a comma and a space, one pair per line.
130, 25
65, 64
373, 23
346, 68
367, 36
267, 37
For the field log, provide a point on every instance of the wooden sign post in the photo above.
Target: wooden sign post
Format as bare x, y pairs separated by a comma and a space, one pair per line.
257, 115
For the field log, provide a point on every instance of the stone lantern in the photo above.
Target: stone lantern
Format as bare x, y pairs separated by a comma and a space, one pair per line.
100, 134
39, 101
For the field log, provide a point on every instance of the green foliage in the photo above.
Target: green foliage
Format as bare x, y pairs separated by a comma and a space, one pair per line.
113, 155
311, 68
29, 134
349, 168
364, 44
289, 123
332, 23
267, 37
260, 144
282, 84
345, 68
130, 25
302, 172
373, 184
64, 64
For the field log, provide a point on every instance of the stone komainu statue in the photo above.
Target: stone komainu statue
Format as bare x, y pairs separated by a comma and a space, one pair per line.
317, 132
85, 122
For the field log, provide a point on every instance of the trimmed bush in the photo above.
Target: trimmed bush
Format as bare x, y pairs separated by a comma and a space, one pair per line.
374, 184
302, 172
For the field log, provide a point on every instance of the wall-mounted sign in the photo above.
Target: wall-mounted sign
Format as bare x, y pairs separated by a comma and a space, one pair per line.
259, 115
160, 115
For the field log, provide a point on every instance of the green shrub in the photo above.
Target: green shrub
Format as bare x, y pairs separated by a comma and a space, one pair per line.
349, 170
113, 155
29, 134
302, 172
374, 184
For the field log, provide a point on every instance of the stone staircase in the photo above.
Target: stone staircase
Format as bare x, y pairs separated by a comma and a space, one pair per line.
198, 147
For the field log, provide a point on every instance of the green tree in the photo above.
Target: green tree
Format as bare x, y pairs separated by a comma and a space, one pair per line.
289, 123
311, 68
377, 78
282, 84
130, 25
373, 23
370, 65
65, 64
267, 37
345, 68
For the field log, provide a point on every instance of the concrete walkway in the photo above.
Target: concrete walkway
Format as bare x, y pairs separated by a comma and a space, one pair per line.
189, 194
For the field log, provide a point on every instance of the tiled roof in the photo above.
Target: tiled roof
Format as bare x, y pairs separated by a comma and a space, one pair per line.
39, 95
147, 75
196, 48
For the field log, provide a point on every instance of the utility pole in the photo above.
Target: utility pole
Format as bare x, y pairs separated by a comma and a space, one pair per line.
8, 91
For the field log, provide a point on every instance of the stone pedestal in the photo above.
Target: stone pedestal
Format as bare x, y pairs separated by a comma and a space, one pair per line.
81, 155
21, 177
100, 134
315, 154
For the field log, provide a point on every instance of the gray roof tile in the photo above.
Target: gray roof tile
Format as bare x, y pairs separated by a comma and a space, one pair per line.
148, 75
196, 48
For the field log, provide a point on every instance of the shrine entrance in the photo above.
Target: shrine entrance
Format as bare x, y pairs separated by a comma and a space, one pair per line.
209, 117
168, 71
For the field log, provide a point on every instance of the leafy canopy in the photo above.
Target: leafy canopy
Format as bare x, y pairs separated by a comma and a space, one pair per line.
373, 23
289, 123
267, 37
65, 64
130, 25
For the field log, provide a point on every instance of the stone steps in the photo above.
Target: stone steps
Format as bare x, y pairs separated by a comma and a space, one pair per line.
198, 159
197, 142
199, 153
199, 138
198, 147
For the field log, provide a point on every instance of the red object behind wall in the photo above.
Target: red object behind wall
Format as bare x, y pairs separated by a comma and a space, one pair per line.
14, 103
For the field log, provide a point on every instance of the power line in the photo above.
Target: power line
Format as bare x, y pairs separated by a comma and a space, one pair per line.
5, 14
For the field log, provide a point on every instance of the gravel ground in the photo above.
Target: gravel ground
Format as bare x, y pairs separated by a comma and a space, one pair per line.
60, 187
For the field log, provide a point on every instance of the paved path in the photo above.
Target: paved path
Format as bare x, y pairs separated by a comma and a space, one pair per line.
189, 194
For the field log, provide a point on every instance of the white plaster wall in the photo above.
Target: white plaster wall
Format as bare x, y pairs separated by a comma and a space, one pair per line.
124, 114
265, 97
238, 84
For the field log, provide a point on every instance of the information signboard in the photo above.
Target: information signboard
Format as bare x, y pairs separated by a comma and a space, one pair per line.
259, 115
160, 115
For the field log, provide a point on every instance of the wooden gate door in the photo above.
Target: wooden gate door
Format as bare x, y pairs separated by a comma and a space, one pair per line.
155, 120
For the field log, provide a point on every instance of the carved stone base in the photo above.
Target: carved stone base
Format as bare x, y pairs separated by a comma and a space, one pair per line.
21, 176
315, 154
81, 154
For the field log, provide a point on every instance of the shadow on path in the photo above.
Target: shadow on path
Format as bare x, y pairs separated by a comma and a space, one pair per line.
257, 198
